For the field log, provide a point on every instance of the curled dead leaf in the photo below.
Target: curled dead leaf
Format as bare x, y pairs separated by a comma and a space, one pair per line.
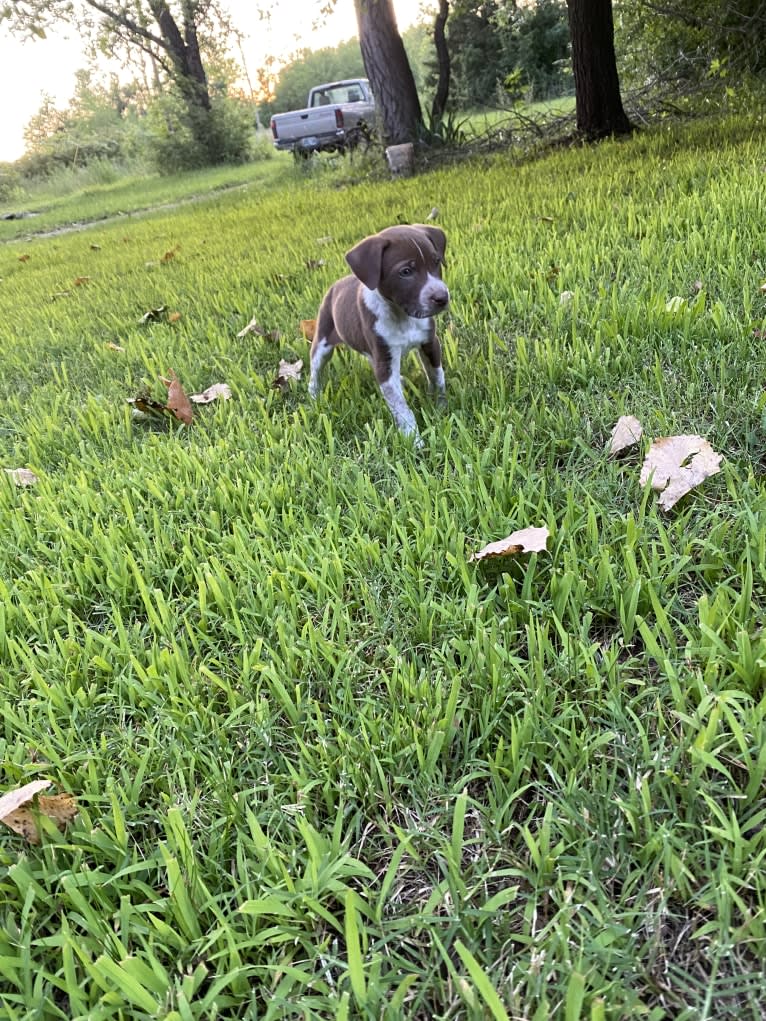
525, 540
626, 433
21, 476
213, 393
178, 402
252, 327
666, 465
111, 346
153, 315
24, 258
19, 812
287, 371
143, 405
173, 317
170, 254
79, 281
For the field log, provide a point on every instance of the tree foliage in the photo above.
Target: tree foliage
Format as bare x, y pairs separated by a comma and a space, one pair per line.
173, 36
690, 38
499, 50
309, 68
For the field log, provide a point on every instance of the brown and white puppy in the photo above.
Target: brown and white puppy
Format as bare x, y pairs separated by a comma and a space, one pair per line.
385, 310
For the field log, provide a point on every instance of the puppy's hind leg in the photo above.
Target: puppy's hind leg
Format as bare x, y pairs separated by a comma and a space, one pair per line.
321, 352
324, 343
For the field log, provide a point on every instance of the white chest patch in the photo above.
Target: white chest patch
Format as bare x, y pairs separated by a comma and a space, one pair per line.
397, 329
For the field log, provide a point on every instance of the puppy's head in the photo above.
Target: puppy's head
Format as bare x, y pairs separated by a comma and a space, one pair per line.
404, 265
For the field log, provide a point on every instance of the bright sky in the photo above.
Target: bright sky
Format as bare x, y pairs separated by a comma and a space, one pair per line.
29, 69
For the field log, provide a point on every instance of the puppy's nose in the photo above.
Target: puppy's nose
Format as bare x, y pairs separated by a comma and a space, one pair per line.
440, 299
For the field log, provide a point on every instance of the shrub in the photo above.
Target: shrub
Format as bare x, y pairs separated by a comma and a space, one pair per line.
174, 141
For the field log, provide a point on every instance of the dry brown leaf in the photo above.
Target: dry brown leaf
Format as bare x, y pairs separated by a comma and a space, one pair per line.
18, 812
287, 371
526, 540
111, 346
145, 405
95, 248
170, 254
20, 796
308, 328
222, 390
178, 402
21, 476
173, 317
79, 281
666, 465
24, 258
625, 434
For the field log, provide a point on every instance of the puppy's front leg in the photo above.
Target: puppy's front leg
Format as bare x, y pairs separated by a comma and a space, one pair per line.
431, 360
389, 377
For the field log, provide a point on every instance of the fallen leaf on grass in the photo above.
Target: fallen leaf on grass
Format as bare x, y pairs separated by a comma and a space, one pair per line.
315, 263
24, 258
111, 346
222, 390
173, 317
666, 465
143, 404
79, 281
287, 371
675, 304
95, 248
18, 814
171, 254
566, 297
526, 540
625, 434
153, 315
21, 476
254, 327
434, 214
308, 328
178, 402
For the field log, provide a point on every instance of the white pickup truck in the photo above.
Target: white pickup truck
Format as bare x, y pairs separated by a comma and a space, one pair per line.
339, 116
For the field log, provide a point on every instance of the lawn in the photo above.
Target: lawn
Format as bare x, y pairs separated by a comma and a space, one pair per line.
325, 765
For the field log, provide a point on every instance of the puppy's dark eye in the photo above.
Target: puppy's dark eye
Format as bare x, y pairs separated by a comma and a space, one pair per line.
406, 271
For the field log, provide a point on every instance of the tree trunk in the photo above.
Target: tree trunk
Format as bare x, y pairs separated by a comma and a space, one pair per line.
597, 87
439, 104
397, 107
189, 75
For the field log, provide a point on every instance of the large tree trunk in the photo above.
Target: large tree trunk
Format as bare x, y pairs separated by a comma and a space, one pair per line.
188, 74
597, 87
385, 60
439, 104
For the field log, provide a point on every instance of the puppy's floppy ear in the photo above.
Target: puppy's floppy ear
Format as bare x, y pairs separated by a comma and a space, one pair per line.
366, 260
437, 237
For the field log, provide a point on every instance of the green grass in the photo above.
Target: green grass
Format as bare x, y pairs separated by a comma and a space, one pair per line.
327, 768
55, 206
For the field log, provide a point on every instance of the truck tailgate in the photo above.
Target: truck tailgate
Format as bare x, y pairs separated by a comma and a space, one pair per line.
300, 123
